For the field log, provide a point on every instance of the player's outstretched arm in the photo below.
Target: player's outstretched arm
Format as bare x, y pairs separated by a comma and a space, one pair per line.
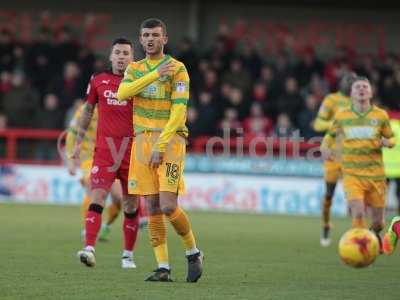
70, 141
388, 140
324, 118
179, 99
177, 119
131, 85
329, 140
326, 147
83, 125
69, 148
321, 125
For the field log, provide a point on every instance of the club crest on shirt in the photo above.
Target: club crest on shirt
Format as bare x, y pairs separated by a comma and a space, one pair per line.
374, 122
132, 184
151, 90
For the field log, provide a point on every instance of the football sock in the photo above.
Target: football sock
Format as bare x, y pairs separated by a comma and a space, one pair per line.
127, 253
89, 248
84, 208
112, 213
377, 228
326, 211
130, 229
396, 229
93, 224
158, 239
182, 226
358, 223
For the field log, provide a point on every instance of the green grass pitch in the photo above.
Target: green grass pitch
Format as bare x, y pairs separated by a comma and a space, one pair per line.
247, 257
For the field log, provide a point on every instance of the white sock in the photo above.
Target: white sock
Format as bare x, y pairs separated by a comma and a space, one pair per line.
127, 253
89, 248
165, 266
192, 251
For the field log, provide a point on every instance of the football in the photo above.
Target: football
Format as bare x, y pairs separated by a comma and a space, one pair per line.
358, 247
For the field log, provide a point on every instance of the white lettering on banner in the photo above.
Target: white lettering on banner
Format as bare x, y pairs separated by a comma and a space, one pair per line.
230, 193
112, 98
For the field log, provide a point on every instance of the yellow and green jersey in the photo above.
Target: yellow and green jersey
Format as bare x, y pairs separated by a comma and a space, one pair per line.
89, 141
331, 104
361, 134
159, 102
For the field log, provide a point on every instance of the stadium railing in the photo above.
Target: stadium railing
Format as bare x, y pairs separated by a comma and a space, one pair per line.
9, 139
12, 136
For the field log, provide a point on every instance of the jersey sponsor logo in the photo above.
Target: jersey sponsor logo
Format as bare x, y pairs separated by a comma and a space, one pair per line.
116, 102
359, 132
105, 81
110, 94
180, 87
111, 98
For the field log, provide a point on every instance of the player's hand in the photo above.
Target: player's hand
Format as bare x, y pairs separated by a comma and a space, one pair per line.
156, 159
166, 69
76, 151
72, 167
386, 143
327, 154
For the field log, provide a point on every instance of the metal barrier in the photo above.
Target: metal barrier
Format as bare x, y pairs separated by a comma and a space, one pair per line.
234, 147
12, 136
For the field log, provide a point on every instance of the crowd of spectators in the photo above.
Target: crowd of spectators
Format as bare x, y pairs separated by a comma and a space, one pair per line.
233, 84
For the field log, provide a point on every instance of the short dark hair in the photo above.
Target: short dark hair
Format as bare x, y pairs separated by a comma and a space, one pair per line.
123, 41
346, 82
153, 23
360, 78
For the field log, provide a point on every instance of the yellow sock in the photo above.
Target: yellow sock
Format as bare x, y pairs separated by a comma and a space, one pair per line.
326, 211
359, 223
181, 223
112, 212
158, 238
84, 208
